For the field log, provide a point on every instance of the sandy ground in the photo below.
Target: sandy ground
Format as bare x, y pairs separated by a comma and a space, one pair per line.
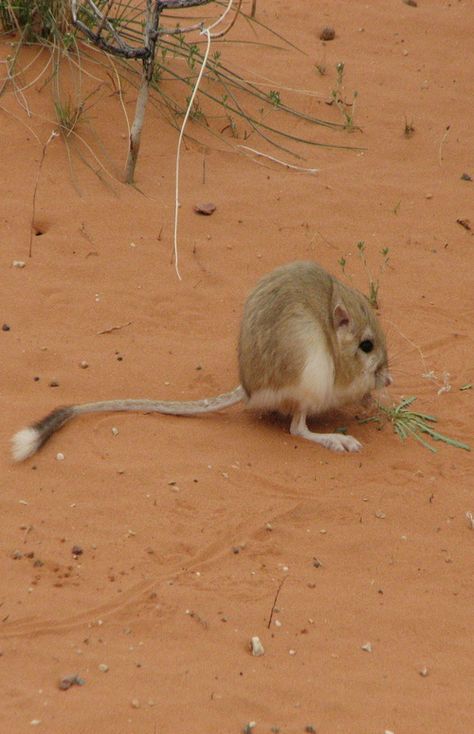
189, 528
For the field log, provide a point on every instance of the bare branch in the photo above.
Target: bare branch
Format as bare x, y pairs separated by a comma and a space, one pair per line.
179, 29
127, 52
104, 21
173, 4
227, 29
121, 49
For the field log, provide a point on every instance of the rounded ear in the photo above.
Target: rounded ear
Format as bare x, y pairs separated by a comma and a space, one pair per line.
341, 317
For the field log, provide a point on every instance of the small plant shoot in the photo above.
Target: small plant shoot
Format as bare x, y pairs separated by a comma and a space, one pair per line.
408, 423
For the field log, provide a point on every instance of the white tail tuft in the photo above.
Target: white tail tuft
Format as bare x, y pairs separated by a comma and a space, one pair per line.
25, 443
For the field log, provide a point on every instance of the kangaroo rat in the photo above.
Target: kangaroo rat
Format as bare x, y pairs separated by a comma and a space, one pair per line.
307, 343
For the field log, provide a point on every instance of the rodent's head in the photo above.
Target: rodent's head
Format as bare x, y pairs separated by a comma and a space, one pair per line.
361, 354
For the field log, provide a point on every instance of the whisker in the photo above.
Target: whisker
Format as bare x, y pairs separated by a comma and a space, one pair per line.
415, 346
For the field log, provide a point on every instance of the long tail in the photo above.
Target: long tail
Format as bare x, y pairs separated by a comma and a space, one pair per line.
26, 442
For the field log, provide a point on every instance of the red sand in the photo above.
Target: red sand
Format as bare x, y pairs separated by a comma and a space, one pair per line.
159, 594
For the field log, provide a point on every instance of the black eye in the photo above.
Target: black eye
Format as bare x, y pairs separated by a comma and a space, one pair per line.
366, 346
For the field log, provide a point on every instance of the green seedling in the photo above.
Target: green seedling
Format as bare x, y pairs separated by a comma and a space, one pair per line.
409, 423
68, 116
196, 112
374, 283
193, 52
274, 97
347, 109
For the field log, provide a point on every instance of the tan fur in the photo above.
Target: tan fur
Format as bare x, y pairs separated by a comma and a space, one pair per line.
288, 322
299, 353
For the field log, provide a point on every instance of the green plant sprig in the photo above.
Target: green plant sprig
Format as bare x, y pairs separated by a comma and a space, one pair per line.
374, 283
408, 423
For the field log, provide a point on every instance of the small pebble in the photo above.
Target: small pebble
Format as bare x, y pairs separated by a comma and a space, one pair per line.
103, 668
18, 263
256, 647
54, 383
466, 177
310, 729
380, 515
207, 209
59, 456
35, 722
423, 672
70, 680
115, 431
248, 727
83, 365
5, 327
135, 703
76, 550
291, 652
367, 647
327, 34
